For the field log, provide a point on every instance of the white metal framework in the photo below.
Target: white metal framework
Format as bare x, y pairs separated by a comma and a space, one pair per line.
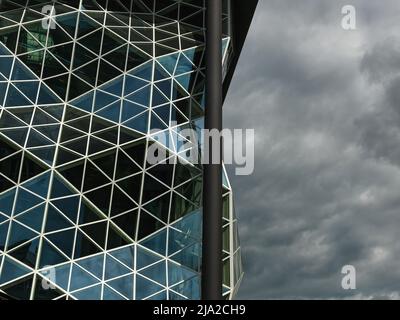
82, 213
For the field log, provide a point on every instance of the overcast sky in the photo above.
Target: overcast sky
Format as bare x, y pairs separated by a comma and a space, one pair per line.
325, 104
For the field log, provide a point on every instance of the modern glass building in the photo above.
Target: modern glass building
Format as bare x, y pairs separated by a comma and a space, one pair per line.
84, 85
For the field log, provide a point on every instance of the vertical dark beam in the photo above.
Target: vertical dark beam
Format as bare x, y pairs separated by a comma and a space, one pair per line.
212, 190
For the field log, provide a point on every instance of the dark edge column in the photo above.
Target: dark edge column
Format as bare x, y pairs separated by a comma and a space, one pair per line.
212, 184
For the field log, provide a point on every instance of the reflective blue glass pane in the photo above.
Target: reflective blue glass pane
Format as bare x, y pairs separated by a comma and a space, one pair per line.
19, 234
156, 272
126, 256
60, 273
110, 294
178, 274
145, 288
157, 242
33, 218
189, 288
39, 185
123, 285
7, 202
114, 269
92, 293
12, 270
80, 278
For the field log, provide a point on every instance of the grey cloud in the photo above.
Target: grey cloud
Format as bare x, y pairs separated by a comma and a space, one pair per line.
380, 128
382, 60
325, 189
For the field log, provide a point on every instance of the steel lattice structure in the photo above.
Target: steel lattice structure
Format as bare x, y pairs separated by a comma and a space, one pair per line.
83, 86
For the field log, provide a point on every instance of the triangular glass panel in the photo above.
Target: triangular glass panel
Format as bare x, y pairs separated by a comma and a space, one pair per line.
46, 154
106, 162
96, 232
178, 274
31, 167
130, 110
141, 97
116, 239
33, 218
81, 278
185, 80
144, 72
110, 294
178, 241
88, 214
27, 253
7, 202
169, 62
19, 235
114, 269
59, 188
68, 22
29, 89
17, 135
63, 240
120, 203
160, 207
36, 139
62, 274
84, 246
160, 73
132, 84
24, 114
26, 200
156, 272
3, 235
6, 65
156, 123
156, 243
78, 145
103, 99
145, 288
68, 206
85, 102
127, 222
139, 123
39, 185
190, 288
126, 256
94, 178
56, 220
16, 98
46, 96
145, 258
132, 186
20, 72
50, 256
111, 112
73, 173
55, 111
49, 131
65, 156
189, 257
7, 120
94, 265
96, 145
123, 285
12, 270
92, 293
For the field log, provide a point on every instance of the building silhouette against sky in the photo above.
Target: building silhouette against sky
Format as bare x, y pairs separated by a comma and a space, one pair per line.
82, 213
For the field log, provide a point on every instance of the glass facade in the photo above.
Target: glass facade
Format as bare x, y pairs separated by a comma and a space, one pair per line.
84, 85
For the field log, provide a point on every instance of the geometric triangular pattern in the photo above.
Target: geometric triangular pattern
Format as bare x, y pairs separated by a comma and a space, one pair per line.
82, 92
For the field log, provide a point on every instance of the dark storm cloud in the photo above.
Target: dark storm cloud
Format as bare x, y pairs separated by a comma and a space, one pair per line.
325, 104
